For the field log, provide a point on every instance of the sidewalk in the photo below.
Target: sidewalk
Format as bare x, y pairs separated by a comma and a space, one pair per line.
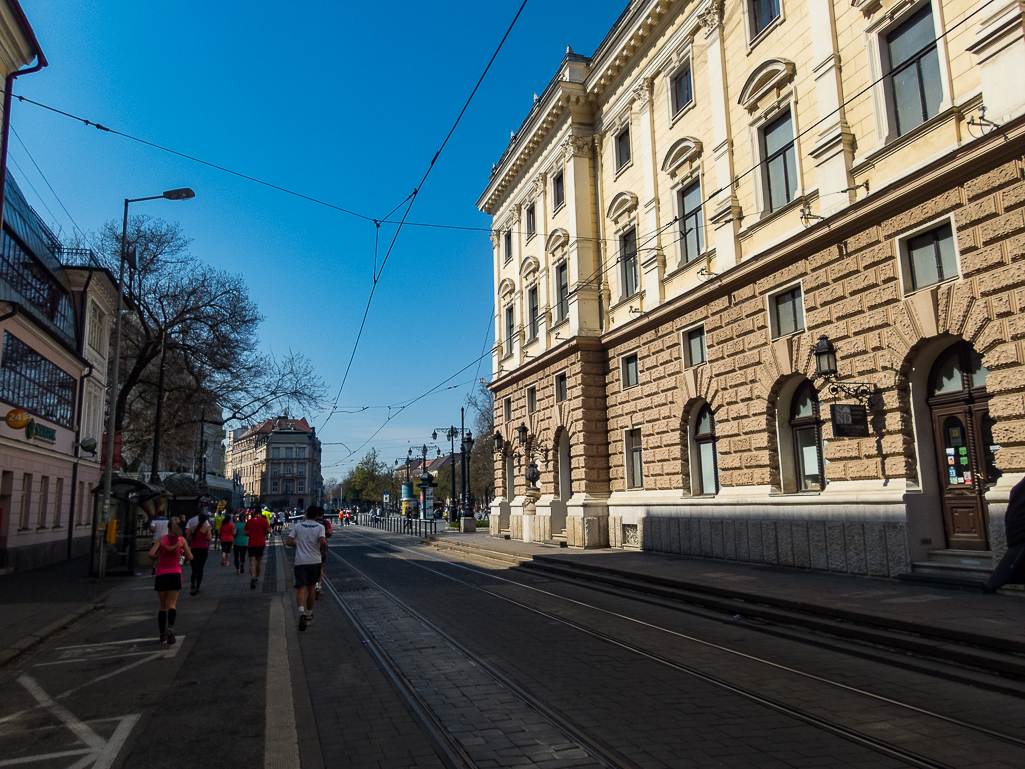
992, 622
37, 603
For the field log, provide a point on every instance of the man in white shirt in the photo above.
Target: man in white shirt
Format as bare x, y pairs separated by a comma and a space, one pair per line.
310, 542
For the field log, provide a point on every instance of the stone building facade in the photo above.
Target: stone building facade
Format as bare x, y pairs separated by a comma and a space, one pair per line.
684, 214
277, 462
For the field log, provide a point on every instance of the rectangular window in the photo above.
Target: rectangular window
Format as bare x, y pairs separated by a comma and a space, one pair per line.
531, 220
561, 387
507, 409
275, 453
562, 290
275, 469
274, 487
691, 224
300, 469
681, 90
300, 452
630, 373
931, 257
30, 381
789, 311
96, 321
510, 329
622, 148
288, 487
780, 161
533, 309
694, 347
26, 500
44, 501
58, 503
628, 258
763, 13
83, 511
29, 277
913, 82
300, 487
558, 191
507, 241
531, 400
288, 452
634, 464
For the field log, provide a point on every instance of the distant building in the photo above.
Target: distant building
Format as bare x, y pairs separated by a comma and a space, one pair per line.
277, 462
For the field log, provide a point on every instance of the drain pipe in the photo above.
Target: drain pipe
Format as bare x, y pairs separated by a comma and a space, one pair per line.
5, 130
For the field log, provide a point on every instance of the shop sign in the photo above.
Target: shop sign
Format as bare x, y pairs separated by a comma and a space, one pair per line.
16, 418
35, 430
849, 420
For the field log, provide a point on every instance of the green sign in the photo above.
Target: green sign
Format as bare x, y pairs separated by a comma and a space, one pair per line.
42, 432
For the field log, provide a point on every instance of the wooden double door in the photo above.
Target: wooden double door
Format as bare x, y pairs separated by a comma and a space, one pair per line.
965, 453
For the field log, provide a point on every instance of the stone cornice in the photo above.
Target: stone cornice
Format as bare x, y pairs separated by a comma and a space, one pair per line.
617, 50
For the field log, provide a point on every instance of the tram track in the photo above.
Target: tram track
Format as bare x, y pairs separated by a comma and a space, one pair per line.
802, 714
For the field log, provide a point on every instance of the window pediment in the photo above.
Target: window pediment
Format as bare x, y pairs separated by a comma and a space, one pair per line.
768, 75
530, 264
623, 203
506, 288
558, 237
683, 150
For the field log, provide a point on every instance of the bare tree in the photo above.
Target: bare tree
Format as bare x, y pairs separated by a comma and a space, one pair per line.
482, 464
201, 321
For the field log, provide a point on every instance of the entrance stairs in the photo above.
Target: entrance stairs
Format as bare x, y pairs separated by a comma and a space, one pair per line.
958, 569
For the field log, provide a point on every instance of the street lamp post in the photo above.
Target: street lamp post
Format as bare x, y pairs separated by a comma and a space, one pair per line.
451, 434
467, 523
183, 193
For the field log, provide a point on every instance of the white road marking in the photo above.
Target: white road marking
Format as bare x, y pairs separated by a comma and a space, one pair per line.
80, 729
47, 756
146, 640
281, 750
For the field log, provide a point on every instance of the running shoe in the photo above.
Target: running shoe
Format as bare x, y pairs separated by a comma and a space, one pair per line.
302, 622
193, 591
309, 619
163, 638
252, 583
170, 636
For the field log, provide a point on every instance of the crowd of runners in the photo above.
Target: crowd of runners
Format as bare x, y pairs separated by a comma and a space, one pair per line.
241, 535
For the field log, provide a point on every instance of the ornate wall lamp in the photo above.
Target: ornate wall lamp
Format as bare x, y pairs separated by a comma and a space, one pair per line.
825, 367
532, 449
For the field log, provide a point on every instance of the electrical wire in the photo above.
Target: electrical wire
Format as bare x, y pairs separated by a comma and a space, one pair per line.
412, 200
55, 195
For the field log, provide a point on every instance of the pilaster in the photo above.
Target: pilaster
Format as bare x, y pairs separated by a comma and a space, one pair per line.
1000, 48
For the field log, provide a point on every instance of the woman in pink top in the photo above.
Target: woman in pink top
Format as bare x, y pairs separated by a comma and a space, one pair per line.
227, 532
165, 555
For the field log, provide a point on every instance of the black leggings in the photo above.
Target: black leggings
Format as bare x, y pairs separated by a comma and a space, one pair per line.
240, 557
199, 556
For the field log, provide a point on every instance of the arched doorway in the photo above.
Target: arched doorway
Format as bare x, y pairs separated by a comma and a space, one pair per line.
962, 430
565, 485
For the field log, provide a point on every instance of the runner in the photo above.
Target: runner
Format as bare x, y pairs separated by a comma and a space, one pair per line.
241, 543
199, 537
165, 556
256, 529
227, 532
309, 538
327, 533
158, 527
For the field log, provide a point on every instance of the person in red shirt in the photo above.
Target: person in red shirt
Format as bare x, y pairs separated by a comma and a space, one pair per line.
256, 529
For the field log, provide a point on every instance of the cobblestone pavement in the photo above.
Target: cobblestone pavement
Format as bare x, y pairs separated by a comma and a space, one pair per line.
658, 716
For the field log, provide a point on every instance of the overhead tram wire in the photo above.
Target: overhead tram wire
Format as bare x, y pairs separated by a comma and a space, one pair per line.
412, 200
52, 190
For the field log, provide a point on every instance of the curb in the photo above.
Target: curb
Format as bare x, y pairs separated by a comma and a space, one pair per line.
19, 648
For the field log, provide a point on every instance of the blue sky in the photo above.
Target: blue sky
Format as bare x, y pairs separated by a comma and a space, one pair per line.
343, 102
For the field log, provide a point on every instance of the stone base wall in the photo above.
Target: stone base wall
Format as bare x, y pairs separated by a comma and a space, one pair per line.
872, 548
589, 532
14, 559
516, 526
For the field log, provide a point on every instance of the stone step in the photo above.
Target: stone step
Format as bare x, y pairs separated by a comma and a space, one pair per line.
972, 571
555, 542
970, 558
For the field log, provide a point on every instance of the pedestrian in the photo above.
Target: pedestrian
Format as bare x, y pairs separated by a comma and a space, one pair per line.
199, 537
309, 538
319, 517
218, 517
240, 544
257, 528
158, 528
227, 538
165, 555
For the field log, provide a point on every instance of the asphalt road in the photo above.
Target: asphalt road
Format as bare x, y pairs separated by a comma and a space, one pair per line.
416, 659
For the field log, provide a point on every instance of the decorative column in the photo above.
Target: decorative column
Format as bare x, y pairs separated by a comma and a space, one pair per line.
1000, 50
833, 152
651, 258
583, 303
726, 209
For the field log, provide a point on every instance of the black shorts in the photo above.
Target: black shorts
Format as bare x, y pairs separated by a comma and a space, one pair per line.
256, 552
226, 546
168, 582
307, 574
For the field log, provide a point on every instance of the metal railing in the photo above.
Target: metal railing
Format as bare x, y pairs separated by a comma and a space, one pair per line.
398, 524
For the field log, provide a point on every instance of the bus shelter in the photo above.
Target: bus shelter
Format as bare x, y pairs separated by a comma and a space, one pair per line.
125, 537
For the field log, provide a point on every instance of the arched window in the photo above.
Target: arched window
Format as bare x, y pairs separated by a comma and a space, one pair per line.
706, 472
807, 431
